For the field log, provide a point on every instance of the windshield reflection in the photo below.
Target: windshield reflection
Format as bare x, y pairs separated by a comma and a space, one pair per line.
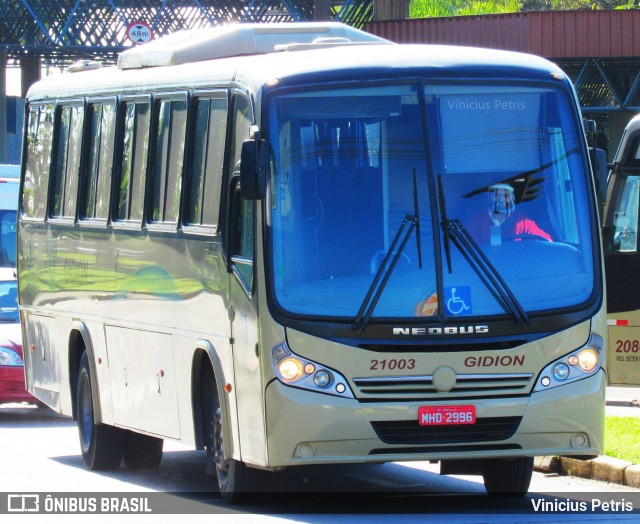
350, 165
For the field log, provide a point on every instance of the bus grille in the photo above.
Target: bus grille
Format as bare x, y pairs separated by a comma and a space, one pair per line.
422, 387
411, 432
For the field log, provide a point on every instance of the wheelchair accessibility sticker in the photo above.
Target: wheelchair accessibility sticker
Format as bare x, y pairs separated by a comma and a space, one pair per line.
458, 300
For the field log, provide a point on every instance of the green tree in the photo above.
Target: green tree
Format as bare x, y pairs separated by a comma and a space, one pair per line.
435, 8
578, 5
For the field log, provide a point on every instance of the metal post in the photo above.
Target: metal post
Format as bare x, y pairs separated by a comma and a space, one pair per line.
29, 73
322, 10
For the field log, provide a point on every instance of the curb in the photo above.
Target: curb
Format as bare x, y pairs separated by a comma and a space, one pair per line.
624, 403
603, 468
607, 469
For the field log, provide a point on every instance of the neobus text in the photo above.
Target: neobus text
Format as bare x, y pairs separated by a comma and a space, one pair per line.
440, 330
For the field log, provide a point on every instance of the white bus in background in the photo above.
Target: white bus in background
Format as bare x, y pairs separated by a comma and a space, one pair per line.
299, 244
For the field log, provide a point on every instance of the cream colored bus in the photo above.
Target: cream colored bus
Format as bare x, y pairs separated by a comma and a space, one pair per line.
620, 238
301, 244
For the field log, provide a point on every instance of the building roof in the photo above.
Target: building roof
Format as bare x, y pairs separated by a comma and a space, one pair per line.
552, 34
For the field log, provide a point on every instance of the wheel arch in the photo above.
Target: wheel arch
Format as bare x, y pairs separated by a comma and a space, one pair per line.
205, 356
79, 342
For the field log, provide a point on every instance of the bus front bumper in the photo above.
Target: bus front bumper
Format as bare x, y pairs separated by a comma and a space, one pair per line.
310, 428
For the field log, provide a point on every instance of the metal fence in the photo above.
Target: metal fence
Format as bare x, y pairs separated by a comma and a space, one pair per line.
64, 30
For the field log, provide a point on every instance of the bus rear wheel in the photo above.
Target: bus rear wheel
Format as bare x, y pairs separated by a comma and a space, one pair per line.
101, 445
142, 451
509, 477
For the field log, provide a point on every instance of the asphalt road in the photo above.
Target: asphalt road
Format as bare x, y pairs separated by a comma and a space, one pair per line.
41, 455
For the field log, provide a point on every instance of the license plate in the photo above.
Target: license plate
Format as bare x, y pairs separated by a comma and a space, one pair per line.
446, 415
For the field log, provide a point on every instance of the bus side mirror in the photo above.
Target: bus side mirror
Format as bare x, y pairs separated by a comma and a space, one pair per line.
590, 126
253, 169
600, 173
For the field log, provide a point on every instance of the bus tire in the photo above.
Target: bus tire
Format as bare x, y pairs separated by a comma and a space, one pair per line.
237, 482
101, 445
509, 477
142, 451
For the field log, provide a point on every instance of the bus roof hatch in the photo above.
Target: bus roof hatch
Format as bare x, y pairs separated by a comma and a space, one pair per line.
241, 39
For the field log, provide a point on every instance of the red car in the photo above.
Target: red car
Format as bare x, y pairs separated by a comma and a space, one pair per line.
12, 388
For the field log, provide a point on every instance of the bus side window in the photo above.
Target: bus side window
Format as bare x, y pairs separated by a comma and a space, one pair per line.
166, 175
242, 236
625, 216
64, 187
204, 171
96, 178
242, 120
131, 176
38, 162
241, 228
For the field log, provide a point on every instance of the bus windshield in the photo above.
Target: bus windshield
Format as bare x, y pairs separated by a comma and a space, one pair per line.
492, 180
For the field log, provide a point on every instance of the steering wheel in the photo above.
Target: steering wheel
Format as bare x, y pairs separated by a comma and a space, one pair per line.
527, 236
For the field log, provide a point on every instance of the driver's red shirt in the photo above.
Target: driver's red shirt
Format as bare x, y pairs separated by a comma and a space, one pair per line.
526, 226
517, 224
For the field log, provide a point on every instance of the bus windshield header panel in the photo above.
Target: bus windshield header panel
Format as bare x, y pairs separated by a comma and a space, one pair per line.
403, 202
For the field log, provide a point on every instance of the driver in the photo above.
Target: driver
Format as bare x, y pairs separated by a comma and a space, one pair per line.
499, 219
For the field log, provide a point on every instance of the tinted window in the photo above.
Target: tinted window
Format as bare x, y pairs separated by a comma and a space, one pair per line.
169, 160
129, 186
622, 233
350, 200
68, 148
243, 210
242, 251
96, 193
38, 161
205, 168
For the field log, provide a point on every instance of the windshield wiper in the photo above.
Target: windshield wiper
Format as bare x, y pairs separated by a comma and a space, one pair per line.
386, 269
455, 232
416, 215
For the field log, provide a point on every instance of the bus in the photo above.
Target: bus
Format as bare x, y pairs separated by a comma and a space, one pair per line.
620, 239
300, 244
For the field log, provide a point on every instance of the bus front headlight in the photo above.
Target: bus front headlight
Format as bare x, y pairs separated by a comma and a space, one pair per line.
303, 373
588, 360
290, 369
579, 364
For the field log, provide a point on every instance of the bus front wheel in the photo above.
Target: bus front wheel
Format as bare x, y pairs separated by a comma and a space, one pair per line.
238, 483
507, 477
102, 446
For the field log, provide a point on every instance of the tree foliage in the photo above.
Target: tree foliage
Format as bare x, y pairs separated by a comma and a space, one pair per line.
434, 8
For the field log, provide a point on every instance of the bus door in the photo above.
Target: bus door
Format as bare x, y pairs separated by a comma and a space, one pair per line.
243, 298
622, 260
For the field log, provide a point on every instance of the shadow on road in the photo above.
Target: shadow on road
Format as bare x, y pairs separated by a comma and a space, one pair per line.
13, 416
343, 489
